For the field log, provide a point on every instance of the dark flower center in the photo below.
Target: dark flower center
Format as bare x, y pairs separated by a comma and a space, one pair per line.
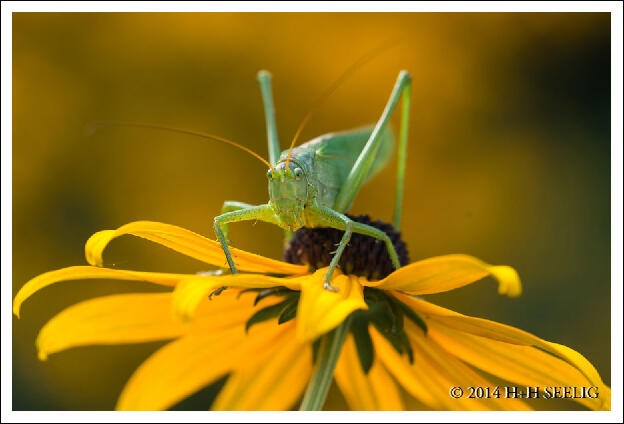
364, 255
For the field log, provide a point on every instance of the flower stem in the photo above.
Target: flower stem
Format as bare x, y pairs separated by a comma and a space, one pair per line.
329, 351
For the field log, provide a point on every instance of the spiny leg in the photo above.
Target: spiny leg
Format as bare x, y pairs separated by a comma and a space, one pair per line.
334, 262
233, 205
262, 213
213, 273
329, 217
229, 206
359, 228
325, 216
368, 230
362, 165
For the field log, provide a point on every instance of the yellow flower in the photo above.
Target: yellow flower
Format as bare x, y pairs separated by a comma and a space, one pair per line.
424, 348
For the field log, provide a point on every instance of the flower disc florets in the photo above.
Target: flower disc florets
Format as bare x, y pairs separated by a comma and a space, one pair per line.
364, 255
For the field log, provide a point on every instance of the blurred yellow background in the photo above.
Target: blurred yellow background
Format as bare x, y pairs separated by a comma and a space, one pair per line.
509, 158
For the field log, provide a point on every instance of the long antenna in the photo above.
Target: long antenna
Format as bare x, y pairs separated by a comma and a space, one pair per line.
97, 125
319, 101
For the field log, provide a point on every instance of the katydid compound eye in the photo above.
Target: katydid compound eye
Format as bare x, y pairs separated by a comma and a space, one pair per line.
270, 174
298, 173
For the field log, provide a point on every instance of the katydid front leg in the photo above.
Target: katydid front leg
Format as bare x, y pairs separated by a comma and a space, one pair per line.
229, 206
330, 218
261, 213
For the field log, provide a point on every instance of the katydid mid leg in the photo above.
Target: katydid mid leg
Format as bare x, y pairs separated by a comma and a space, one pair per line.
367, 230
333, 219
330, 218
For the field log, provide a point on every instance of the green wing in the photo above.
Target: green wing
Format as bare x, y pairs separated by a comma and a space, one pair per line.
330, 157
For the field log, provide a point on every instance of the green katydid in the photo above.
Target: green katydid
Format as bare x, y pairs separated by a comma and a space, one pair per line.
314, 184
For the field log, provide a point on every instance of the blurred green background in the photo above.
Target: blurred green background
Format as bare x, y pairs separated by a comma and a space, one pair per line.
509, 157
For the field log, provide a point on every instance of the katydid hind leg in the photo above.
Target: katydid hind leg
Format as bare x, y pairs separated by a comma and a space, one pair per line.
264, 80
402, 156
360, 169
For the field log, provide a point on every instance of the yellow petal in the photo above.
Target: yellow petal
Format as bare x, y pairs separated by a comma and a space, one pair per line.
89, 272
137, 317
501, 332
124, 318
190, 292
420, 381
444, 273
375, 391
508, 280
588, 370
192, 362
190, 244
432, 375
523, 365
478, 326
274, 384
455, 373
223, 312
320, 310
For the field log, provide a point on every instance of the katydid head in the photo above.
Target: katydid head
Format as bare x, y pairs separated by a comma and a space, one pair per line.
288, 193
